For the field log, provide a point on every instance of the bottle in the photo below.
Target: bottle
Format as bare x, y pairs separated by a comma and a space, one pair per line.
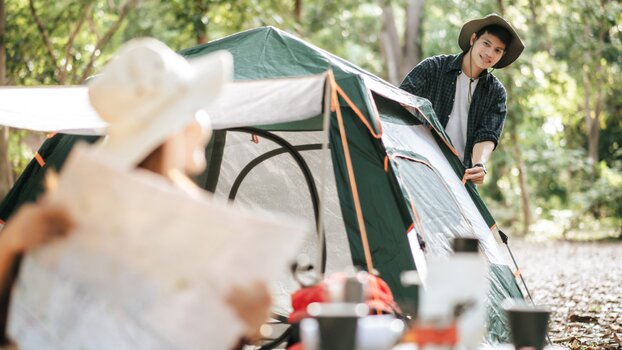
452, 307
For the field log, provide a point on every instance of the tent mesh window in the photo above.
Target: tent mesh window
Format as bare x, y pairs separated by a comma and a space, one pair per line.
440, 217
260, 173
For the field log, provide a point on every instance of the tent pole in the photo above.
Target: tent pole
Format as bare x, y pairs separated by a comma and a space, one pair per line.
519, 273
323, 165
504, 239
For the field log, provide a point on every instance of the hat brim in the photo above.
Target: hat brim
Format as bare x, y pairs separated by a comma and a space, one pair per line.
511, 53
130, 147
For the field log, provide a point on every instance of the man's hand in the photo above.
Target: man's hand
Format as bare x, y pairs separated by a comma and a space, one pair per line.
476, 174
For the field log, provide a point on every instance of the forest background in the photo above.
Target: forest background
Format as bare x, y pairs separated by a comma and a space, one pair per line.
557, 172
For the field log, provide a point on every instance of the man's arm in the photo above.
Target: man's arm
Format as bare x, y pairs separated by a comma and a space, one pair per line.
417, 82
481, 155
487, 136
482, 152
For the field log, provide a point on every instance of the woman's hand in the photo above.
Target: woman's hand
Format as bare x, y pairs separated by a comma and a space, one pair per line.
252, 305
33, 225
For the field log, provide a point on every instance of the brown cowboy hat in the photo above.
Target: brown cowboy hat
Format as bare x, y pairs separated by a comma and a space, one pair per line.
511, 53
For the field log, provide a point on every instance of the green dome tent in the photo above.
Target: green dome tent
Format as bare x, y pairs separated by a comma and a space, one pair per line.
394, 196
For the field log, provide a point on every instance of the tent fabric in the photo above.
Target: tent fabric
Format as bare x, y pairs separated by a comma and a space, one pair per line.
66, 109
442, 205
270, 53
502, 286
419, 138
269, 101
398, 149
254, 102
30, 184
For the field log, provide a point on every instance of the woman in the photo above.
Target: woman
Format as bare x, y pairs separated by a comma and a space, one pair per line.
152, 99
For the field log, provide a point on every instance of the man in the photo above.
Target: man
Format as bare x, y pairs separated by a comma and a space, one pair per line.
468, 100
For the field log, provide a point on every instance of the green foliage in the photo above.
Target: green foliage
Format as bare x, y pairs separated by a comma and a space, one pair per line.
601, 195
349, 29
60, 49
20, 153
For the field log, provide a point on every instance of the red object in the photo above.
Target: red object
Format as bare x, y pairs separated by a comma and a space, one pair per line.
297, 346
379, 297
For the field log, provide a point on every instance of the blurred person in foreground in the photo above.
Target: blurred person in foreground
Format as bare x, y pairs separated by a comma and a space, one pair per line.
468, 100
151, 98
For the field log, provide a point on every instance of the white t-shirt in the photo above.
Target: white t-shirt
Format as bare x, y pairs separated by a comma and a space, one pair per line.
457, 125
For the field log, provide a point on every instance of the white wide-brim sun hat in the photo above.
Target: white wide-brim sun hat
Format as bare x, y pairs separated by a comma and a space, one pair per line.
148, 92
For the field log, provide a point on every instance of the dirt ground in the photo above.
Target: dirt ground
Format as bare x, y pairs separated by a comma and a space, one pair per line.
582, 284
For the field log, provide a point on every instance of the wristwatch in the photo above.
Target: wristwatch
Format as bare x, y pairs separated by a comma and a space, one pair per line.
481, 165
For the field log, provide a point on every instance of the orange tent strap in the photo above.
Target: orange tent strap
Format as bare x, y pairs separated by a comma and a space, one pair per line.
494, 226
39, 159
412, 225
517, 273
386, 164
350, 169
254, 138
358, 113
50, 135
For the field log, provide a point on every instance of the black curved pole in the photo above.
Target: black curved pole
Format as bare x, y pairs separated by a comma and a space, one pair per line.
306, 172
260, 159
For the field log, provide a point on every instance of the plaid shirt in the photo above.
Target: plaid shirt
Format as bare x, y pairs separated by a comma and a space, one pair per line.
435, 79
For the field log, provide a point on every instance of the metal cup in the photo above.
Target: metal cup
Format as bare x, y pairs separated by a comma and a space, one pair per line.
337, 324
528, 324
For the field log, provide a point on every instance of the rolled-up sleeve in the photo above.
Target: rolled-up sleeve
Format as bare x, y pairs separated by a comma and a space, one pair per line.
493, 119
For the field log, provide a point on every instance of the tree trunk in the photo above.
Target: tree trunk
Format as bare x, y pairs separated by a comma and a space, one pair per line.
501, 8
412, 37
400, 59
593, 135
522, 182
541, 33
518, 156
594, 122
390, 42
200, 26
592, 118
298, 11
593, 81
2, 49
6, 173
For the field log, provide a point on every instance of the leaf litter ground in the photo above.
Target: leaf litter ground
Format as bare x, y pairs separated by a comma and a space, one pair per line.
582, 284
